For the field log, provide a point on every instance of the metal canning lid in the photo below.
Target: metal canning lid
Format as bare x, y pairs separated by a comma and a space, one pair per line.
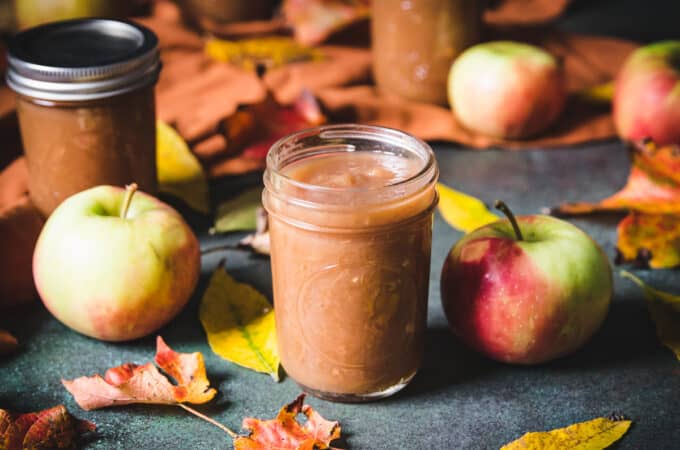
83, 59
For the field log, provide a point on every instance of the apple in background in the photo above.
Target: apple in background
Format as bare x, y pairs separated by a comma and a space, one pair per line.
115, 264
526, 296
506, 89
647, 94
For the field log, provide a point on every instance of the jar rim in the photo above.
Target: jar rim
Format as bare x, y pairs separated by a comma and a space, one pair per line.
381, 134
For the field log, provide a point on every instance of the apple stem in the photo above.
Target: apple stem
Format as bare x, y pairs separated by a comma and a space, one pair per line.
222, 427
501, 206
130, 190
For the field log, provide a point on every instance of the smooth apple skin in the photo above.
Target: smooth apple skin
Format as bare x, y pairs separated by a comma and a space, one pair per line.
647, 94
506, 89
526, 302
115, 279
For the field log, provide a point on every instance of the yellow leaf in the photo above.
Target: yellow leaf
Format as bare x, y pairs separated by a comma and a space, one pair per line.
664, 308
272, 52
179, 172
239, 322
463, 212
594, 434
600, 93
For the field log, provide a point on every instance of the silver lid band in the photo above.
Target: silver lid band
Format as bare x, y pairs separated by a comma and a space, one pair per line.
74, 82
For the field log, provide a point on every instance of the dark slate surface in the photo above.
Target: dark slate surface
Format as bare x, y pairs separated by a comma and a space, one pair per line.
458, 400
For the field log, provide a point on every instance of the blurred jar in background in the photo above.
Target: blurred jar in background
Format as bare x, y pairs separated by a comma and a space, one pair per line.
35, 12
210, 15
415, 42
7, 19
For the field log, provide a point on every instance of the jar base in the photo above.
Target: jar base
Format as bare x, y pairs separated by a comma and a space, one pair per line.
358, 398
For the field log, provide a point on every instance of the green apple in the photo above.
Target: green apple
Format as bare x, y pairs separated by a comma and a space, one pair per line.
115, 264
526, 290
506, 89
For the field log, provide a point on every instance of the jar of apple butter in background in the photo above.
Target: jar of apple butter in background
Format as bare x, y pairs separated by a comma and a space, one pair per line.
415, 41
211, 15
350, 209
85, 103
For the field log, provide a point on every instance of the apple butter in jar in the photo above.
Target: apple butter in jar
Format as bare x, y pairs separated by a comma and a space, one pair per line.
415, 42
85, 103
350, 209
213, 15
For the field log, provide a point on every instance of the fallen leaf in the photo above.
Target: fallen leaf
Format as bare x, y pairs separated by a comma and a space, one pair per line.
48, 429
594, 434
259, 241
270, 52
254, 128
523, 12
238, 213
463, 212
651, 231
8, 343
652, 239
179, 172
315, 20
276, 121
131, 383
653, 185
599, 93
664, 308
239, 323
286, 433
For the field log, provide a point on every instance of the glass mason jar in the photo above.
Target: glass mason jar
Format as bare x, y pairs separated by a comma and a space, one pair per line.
212, 15
415, 41
350, 210
86, 108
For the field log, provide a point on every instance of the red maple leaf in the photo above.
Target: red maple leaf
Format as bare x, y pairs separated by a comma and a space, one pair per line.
48, 429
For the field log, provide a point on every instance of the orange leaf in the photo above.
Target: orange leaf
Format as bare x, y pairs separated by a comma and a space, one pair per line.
286, 433
253, 129
651, 232
653, 185
188, 370
8, 343
47, 429
652, 239
315, 20
132, 383
275, 121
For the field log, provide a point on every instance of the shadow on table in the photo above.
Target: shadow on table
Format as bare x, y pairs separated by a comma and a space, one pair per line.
446, 362
626, 337
23, 322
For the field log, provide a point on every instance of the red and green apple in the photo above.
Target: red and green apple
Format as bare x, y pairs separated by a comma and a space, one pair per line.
506, 89
526, 290
647, 94
115, 264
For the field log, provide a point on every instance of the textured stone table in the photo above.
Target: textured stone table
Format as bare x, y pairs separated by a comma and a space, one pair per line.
458, 400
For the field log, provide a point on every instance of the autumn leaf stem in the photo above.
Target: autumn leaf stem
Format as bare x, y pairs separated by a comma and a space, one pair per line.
130, 190
209, 420
501, 206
